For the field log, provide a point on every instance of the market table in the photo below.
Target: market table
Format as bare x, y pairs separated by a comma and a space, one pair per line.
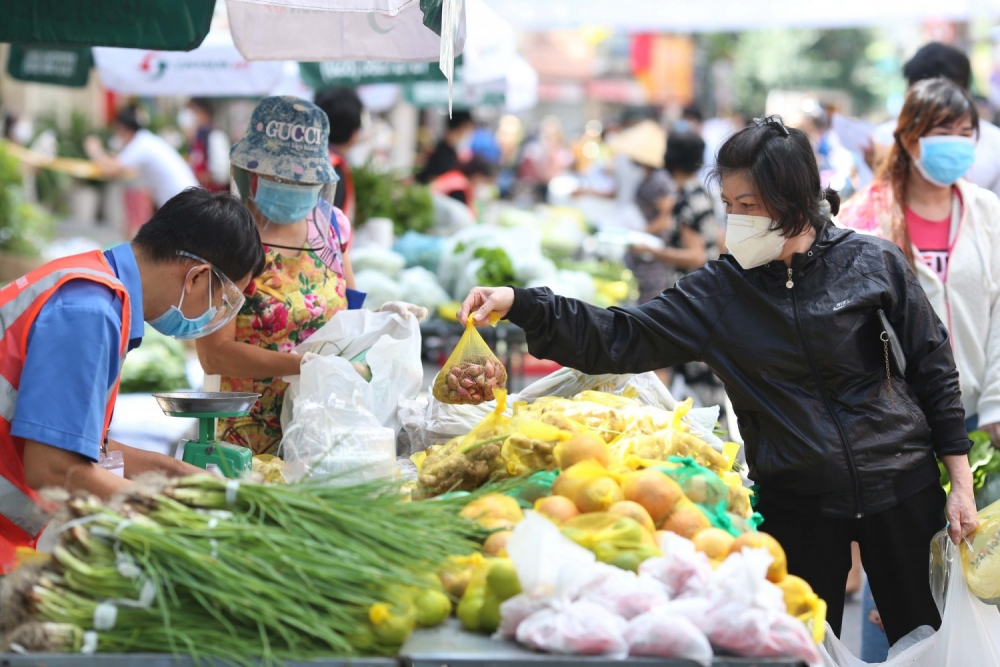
160, 660
450, 646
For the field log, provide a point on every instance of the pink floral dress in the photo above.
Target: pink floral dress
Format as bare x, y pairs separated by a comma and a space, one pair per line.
291, 299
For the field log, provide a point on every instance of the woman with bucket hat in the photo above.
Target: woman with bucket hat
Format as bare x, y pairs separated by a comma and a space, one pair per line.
282, 172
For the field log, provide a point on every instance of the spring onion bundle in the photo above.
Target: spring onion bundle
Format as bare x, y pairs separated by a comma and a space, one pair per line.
215, 568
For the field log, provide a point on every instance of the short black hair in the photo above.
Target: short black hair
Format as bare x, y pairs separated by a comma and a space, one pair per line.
937, 59
478, 166
128, 117
459, 119
685, 152
343, 107
781, 165
692, 112
214, 226
204, 104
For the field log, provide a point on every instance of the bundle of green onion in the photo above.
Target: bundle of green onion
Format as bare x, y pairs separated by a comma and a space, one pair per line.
209, 567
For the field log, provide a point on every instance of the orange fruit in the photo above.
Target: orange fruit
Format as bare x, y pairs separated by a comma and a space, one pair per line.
714, 542
656, 492
494, 511
556, 508
635, 511
598, 494
779, 568
496, 544
686, 520
571, 479
582, 447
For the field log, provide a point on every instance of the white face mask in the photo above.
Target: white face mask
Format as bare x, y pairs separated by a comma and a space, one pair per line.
751, 240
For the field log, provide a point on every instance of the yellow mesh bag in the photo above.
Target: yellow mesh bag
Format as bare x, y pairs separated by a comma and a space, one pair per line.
467, 462
614, 539
472, 374
531, 445
981, 555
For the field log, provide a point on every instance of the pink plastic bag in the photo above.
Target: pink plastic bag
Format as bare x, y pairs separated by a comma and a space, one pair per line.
663, 634
627, 595
577, 628
683, 571
761, 633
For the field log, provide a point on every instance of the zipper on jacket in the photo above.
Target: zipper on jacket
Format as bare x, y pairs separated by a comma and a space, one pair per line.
826, 400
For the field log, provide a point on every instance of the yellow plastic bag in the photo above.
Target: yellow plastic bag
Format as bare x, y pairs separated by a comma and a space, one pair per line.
472, 374
981, 555
614, 539
531, 445
467, 462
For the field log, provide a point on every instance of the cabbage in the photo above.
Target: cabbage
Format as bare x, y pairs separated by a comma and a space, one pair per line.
159, 364
421, 288
379, 288
571, 284
377, 258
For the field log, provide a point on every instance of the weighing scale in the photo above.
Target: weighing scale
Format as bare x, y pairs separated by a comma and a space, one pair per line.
232, 461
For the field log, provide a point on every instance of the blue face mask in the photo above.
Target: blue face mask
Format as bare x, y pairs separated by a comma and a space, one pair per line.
173, 323
945, 159
285, 203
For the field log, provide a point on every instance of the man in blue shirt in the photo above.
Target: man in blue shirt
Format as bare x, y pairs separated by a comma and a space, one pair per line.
184, 274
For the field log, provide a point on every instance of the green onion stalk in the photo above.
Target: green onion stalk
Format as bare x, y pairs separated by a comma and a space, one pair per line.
247, 573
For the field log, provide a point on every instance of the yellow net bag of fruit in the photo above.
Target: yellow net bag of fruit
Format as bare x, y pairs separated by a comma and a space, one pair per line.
531, 445
981, 555
472, 374
614, 539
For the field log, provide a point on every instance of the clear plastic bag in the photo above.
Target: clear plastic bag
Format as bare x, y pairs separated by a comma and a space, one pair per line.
472, 374
661, 633
627, 594
683, 571
576, 628
332, 432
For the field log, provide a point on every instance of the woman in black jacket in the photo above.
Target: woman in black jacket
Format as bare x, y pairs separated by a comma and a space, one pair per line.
839, 371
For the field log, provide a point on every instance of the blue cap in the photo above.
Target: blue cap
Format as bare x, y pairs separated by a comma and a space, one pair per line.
288, 138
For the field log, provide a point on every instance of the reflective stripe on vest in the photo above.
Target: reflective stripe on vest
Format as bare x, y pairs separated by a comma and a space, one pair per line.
10, 312
21, 519
20, 509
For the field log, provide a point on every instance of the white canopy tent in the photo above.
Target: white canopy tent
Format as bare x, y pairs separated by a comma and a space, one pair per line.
726, 15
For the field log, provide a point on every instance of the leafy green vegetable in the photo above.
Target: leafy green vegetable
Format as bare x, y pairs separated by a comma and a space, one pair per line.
984, 459
382, 194
159, 364
24, 227
497, 270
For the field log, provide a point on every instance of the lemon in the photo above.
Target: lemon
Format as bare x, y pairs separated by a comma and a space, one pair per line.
433, 608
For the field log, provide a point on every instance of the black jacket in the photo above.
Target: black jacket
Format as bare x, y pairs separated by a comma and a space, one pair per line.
800, 353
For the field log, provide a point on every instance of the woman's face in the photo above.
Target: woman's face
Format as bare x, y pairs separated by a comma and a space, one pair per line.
740, 197
962, 127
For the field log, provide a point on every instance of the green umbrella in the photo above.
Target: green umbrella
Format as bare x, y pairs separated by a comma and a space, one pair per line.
165, 25
58, 66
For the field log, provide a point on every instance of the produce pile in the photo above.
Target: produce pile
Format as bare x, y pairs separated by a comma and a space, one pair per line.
472, 374
160, 364
209, 567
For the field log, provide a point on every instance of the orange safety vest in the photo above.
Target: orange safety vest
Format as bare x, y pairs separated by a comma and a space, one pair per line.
21, 516
454, 181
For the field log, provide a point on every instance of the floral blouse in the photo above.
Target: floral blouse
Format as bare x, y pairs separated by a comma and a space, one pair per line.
291, 299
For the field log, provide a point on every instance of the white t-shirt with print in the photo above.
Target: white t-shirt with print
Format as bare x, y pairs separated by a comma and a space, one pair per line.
161, 168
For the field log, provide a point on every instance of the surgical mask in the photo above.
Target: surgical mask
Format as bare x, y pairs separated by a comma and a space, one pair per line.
751, 240
682, 126
945, 159
186, 120
173, 322
285, 203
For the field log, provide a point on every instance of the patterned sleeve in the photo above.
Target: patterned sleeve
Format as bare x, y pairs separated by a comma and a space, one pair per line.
346, 230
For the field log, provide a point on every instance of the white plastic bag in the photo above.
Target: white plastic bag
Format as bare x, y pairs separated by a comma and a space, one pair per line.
567, 383
683, 571
661, 633
332, 432
391, 348
421, 287
429, 422
575, 628
969, 633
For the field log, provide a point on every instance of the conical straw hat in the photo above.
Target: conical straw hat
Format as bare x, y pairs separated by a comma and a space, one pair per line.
645, 143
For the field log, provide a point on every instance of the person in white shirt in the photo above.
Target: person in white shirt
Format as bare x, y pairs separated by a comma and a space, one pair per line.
208, 146
931, 61
162, 170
